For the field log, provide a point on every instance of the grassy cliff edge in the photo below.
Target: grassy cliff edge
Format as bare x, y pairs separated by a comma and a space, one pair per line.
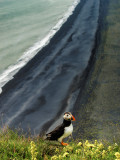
17, 147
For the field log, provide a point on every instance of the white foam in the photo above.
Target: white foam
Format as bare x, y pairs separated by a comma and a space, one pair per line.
9, 73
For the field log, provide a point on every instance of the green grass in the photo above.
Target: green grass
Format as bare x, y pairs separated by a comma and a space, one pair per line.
17, 147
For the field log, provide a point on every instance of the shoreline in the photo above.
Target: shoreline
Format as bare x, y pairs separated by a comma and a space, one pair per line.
8, 73
44, 51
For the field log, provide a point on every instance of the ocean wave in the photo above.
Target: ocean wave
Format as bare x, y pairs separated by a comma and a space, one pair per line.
9, 73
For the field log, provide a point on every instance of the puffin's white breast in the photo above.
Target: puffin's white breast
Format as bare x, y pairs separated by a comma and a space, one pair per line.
67, 131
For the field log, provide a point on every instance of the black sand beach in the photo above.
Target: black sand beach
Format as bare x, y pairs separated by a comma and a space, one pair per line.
68, 74
42, 91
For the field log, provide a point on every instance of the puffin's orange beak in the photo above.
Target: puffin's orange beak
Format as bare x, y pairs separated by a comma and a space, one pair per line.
73, 118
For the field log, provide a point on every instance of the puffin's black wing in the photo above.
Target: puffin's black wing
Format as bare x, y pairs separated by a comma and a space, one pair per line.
56, 133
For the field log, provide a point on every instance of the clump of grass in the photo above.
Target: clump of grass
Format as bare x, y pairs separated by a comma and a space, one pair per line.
17, 147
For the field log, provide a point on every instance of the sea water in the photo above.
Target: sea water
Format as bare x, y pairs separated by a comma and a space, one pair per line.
25, 26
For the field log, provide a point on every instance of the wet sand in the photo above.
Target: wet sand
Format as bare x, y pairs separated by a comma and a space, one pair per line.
97, 108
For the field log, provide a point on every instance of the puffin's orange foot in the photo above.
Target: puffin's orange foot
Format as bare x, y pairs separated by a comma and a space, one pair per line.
64, 144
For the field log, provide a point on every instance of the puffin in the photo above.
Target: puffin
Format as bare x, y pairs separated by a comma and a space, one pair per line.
63, 130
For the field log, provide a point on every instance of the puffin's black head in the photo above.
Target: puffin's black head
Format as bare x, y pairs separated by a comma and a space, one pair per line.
68, 116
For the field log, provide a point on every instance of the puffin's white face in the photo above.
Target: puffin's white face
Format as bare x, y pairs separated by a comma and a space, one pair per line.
68, 116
